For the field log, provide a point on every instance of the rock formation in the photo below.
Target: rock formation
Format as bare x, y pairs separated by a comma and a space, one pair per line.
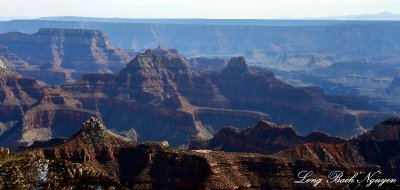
162, 98
159, 84
56, 55
93, 146
31, 111
262, 91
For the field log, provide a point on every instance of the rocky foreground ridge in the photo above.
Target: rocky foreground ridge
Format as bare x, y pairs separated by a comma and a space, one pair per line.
113, 162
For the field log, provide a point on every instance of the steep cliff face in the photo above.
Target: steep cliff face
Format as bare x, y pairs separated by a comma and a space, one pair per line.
265, 137
57, 53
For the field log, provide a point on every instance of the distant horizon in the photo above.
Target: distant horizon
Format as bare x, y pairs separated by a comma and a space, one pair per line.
192, 9
391, 16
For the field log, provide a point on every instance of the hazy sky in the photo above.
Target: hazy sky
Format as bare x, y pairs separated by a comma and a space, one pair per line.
262, 9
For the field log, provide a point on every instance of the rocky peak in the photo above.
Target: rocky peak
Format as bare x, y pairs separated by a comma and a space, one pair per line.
93, 125
164, 51
161, 57
93, 131
236, 66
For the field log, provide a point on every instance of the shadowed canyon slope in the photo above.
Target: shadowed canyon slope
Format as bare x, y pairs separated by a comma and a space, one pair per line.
95, 154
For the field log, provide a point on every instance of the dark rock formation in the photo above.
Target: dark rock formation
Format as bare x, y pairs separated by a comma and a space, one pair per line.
265, 137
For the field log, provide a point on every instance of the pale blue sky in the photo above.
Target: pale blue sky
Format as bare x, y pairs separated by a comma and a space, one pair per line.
257, 9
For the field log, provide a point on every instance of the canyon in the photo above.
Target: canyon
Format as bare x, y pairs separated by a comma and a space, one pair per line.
295, 50
243, 104
159, 83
